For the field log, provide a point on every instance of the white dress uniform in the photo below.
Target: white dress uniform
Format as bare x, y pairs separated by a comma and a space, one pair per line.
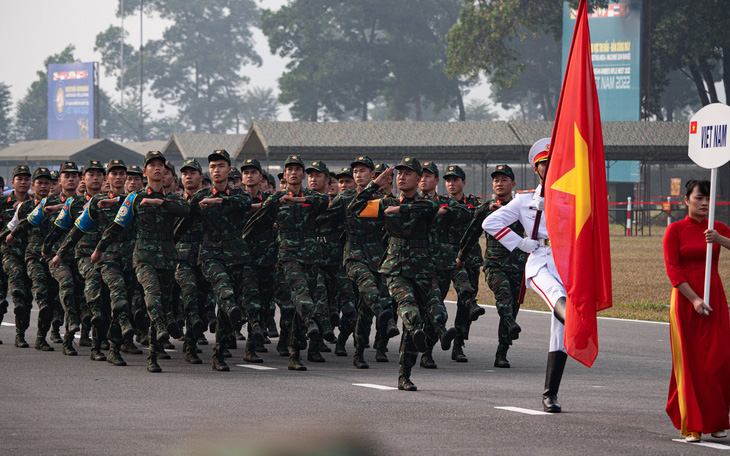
541, 275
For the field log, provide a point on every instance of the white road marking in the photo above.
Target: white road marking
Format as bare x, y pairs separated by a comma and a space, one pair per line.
523, 410
596, 386
714, 446
373, 386
5, 323
256, 367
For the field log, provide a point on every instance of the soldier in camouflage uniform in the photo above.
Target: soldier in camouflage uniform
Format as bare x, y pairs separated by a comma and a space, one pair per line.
44, 289
294, 212
98, 214
194, 288
455, 181
503, 269
3, 279
407, 265
345, 180
262, 246
135, 183
444, 258
362, 254
225, 262
70, 282
14, 255
58, 312
83, 245
154, 255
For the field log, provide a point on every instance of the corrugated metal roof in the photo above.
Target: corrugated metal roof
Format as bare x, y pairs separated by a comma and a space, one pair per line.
49, 152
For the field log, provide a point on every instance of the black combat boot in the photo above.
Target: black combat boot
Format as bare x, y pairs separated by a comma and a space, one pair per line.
359, 359
404, 379
427, 361
68, 344
513, 329
500, 358
476, 311
96, 354
40, 340
340, 344
295, 360
3, 311
380, 355
152, 365
20, 338
249, 355
191, 351
457, 353
419, 340
447, 337
553, 375
219, 363
313, 354
84, 339
271, 328
115, 357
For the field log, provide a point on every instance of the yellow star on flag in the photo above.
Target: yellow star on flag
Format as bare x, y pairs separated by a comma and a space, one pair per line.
577, 182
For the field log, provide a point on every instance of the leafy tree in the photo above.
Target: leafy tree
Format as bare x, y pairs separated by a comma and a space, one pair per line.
479, 111
198, 65
6, 104
31, 118
258, 103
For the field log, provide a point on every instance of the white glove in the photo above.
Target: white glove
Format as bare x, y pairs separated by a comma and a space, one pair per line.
538, 204
528, 245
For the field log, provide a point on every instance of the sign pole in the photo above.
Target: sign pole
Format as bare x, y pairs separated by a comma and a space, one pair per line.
710, 226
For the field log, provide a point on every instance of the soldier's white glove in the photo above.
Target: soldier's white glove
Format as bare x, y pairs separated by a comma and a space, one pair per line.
528, 245
538, 204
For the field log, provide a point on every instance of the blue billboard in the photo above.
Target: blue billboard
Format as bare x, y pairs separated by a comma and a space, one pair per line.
616, 50
71, 101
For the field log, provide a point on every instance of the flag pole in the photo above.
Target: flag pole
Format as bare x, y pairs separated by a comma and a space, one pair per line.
710, 226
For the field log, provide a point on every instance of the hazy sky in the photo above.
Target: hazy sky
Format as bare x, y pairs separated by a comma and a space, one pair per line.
31, 30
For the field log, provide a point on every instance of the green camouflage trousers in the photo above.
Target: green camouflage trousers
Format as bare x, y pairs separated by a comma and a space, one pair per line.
340, 296
505, 284
193, 292
121, 285
418, 301
44, 289
308, 293
466, 294
70, 289
234, 285
95, 290
372, 300
157, 285
20, 288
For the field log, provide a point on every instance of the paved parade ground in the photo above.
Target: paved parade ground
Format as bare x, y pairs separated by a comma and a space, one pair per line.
53, 404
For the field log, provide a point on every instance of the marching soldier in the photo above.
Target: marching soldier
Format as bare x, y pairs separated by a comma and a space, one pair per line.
503, 269
541, 275
345, 180
407, 266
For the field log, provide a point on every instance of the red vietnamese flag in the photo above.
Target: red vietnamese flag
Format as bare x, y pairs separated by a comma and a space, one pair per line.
576, 209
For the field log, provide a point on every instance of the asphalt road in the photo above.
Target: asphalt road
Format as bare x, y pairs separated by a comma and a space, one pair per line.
53, 404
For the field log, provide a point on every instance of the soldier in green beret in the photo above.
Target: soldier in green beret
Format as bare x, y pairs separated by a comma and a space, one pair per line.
503, 269
13, 256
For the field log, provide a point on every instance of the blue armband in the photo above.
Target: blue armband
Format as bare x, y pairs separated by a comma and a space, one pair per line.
126, 213
85, 223
63, 220
37, 216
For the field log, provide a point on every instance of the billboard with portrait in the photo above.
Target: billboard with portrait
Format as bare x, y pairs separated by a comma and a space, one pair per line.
616, 49
71, 101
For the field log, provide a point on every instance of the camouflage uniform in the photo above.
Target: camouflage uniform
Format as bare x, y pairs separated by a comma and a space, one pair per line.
408, 268
298, 251
503, 269
3, 280
362, 254
154, 253
14, 266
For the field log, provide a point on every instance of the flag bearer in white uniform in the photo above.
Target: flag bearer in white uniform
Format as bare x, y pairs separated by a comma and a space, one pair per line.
541, 275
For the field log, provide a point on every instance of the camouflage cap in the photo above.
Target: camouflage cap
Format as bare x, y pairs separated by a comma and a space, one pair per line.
294, 160
69, 167
171, 167
41, 172
381, 168
54, 175
266, 176
411, 163
94, 164
431, 167
455, 171
134, 169
206, 177
363, 160
235, 174
153, 154
252, 163
220, 154
503, 169
345, 172
280, 176
115, 164
192, 164
21, 169
318, 165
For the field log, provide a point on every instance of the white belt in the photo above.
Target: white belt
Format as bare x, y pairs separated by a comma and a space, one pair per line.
543, 242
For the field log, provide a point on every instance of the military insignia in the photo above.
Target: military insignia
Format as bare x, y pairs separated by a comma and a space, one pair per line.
407, 159
123, 210
35, 213
127, 203
451, 168
61, 216
294, 157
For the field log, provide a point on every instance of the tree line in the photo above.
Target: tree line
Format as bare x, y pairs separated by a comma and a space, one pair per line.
369, 60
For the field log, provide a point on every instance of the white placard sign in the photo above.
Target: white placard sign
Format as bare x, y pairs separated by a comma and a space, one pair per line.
708, 136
